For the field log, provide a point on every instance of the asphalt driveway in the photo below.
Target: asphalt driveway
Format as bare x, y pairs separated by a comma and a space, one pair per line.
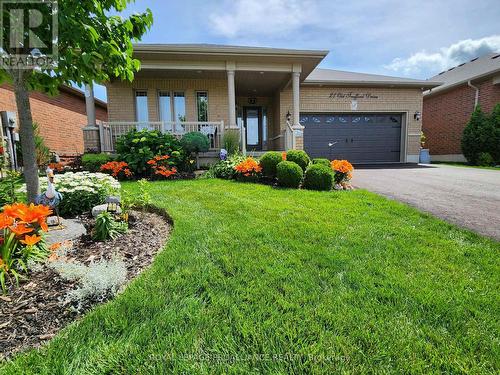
468, 197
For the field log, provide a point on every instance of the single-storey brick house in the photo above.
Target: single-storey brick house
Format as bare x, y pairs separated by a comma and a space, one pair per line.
277, 98
60, 118
448, 108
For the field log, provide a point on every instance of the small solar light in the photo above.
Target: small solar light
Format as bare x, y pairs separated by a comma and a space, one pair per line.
112, 204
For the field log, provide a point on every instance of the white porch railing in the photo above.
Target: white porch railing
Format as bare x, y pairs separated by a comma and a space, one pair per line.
109, 132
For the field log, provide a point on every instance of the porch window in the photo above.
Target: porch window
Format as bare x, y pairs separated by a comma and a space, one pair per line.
141, 107
202, 105
172, 108
165, 104
179, 106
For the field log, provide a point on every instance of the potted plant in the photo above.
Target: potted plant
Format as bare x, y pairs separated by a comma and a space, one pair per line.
425, 157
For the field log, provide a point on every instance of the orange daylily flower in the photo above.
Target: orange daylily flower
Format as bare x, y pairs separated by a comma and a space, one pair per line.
342, 166
31, 240
116, 167
27, 214
20, 229
248, 167
5, 220
43, 225
14, 209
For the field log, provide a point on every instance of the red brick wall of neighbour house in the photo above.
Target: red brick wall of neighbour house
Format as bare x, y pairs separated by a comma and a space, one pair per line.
445, 115
61, 118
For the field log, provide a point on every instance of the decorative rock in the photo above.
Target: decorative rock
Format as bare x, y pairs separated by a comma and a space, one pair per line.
102, 208
71, 230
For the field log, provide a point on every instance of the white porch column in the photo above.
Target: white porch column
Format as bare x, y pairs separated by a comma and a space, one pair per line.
296, 98
297, 68
231, 95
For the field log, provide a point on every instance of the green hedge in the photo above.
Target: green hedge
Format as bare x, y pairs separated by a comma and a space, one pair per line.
93, 162
318, 177
481, 137
289, 174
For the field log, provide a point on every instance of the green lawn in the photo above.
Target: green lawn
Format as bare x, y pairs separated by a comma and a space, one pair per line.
261, 280
465, 165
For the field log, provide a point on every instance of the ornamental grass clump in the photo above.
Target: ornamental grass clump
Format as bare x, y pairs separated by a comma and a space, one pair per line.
21, 239
107, 228
289, 174
248, 170
343, 172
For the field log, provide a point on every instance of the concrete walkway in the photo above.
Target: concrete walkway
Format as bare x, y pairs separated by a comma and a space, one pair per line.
468, 197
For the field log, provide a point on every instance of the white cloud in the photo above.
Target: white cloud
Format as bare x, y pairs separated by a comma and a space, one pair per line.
446, 57
244, 18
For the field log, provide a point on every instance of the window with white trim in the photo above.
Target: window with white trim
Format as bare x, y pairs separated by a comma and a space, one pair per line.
141, 106
202, 105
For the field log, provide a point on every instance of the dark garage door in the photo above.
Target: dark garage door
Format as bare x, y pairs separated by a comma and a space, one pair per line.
359, 138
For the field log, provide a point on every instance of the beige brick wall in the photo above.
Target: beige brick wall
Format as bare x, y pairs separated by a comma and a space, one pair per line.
317, 99
121, 102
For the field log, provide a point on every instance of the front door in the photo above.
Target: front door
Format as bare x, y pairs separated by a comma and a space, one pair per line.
252, 117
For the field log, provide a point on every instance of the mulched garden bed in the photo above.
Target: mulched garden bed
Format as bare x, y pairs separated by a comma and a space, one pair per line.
36, 310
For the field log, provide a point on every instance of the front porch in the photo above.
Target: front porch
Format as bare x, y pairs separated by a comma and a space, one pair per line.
103, 136
254, 91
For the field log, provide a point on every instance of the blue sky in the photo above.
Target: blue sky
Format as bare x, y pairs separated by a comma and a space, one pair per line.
415, 39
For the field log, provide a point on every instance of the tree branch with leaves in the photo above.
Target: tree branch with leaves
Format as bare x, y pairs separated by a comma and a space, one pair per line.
94, 44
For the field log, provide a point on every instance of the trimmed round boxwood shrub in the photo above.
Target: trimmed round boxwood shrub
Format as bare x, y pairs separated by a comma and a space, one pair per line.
318, 177
269, 161
299, 157
322, 161
289, 174
195, 142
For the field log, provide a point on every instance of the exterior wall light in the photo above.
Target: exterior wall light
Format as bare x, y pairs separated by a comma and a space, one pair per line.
417, 116
288, 116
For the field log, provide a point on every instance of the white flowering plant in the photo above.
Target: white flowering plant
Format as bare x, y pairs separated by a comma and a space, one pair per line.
81, 190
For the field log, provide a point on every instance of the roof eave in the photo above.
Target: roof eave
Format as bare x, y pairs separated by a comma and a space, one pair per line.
417, 84
220, 50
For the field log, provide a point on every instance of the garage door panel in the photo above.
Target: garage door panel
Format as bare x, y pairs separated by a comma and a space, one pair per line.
361, 138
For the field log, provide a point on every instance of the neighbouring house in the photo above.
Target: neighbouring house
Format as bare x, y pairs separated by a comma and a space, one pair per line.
447, 108
60, 118
276, 98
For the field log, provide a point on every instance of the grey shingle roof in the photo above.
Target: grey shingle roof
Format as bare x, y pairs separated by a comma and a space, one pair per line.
330, 76
476, 68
